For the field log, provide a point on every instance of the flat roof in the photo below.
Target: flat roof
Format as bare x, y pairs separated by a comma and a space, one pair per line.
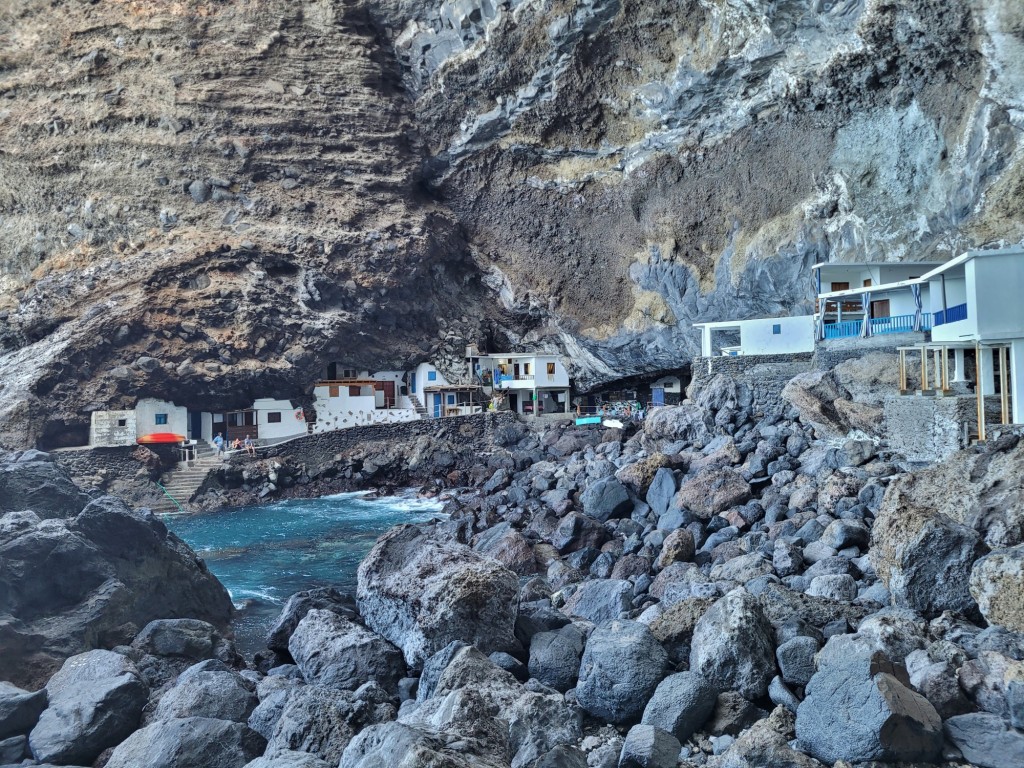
821, 264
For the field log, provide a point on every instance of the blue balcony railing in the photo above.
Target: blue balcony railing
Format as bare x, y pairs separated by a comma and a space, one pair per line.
950, 315
879, 325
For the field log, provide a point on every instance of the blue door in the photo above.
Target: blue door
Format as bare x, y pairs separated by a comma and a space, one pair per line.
437, 405
658, 395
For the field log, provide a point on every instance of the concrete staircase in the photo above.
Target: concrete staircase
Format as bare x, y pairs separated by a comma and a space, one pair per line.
183, 481
415, 400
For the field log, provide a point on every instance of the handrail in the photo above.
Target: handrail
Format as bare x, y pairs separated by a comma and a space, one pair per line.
168, 495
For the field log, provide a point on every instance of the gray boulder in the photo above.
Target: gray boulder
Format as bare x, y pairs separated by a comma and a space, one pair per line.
95, 701
733, 645
681, 704
33, 481
189, 639
713, 491
621, 667
856, 709
335, 652
208, 689
288, 759
19, 709
663, 488
924, 557
301, 603
796, 659
605, 499
834, 586
93, 577
600, 600
766, 744
396, 745
649, 747
555, 657
322, 721
190, 742
421, 595
997, 584
273, 699
986, 740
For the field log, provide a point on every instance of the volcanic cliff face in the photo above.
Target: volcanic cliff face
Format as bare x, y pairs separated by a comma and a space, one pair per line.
204, 201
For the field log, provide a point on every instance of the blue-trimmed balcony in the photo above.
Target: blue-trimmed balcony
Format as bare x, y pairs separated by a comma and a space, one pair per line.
950, 315
879, 326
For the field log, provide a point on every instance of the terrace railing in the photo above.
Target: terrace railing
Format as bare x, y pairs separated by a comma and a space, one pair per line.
879, 326
950, 315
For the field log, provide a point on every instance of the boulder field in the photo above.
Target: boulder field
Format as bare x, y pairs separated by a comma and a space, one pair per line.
712, 588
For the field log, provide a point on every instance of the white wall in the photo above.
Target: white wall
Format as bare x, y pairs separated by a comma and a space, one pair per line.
292, 420
538, 369
420, 376
346, 411
105, 429
670, 384
797, 335
145, 417
206, 430
998, 295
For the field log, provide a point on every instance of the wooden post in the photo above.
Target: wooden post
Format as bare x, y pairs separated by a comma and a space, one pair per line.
945, 369
979, 392
924, 370
1004, 390
903, 371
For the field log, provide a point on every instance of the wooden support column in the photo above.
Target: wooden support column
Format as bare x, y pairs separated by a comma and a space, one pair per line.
979, 393
924, 370
945, 369
1004, 390
903, 371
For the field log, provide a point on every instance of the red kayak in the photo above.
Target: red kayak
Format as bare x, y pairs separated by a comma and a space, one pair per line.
160, 437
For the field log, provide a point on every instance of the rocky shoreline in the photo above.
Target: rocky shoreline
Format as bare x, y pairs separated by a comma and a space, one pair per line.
722, 587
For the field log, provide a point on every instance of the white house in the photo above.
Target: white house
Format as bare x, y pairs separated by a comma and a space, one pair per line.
149, 417
533, 383
667, 390
359, 398
763, 336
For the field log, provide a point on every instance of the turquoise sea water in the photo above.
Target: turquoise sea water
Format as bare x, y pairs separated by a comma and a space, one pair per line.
265, 554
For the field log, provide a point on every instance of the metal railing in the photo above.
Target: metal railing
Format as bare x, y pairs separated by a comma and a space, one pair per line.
950, 315
879, 326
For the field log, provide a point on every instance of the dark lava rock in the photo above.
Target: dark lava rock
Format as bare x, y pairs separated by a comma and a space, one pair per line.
621, 667
301, 603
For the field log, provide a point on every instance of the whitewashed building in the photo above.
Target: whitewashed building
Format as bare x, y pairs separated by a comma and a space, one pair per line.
358, 398
534, 384
762, 336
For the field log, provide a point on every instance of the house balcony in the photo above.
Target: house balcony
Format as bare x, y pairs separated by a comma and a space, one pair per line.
879, 326
518, 381
950, 315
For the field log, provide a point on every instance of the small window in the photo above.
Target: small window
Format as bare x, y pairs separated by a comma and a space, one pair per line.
161, 418
777, 329
551, 369
431, 375
354, 391
334, 390
274, 417
451, 399
122, 422
526, 369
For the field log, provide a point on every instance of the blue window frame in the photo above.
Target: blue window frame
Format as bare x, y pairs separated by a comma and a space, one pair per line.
161, 419
777, 329
431, 375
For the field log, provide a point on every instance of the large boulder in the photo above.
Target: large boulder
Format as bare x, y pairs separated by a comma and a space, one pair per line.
555, 657
322, 721
923, 556
649, 747
95, 701
766, 744
997, 584
986, 740
190, 742
733, 645
20, 709
33, 481
713, 491
688, 422
663, 488
208, 689
335, 652
681, 704
816, 395
508, 546
396, 745
301, 603
288, 758
857, 709
421, 595
600, 600
476, 700
93, 579
621, 667
605, 499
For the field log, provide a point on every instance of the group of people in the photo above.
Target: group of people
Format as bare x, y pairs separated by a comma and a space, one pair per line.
223, 446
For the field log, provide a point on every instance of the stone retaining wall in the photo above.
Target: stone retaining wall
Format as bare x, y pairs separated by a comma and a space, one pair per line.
766, 375
931, 428
831, 352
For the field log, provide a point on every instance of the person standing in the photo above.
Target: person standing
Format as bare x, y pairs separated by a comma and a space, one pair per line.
219, 442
